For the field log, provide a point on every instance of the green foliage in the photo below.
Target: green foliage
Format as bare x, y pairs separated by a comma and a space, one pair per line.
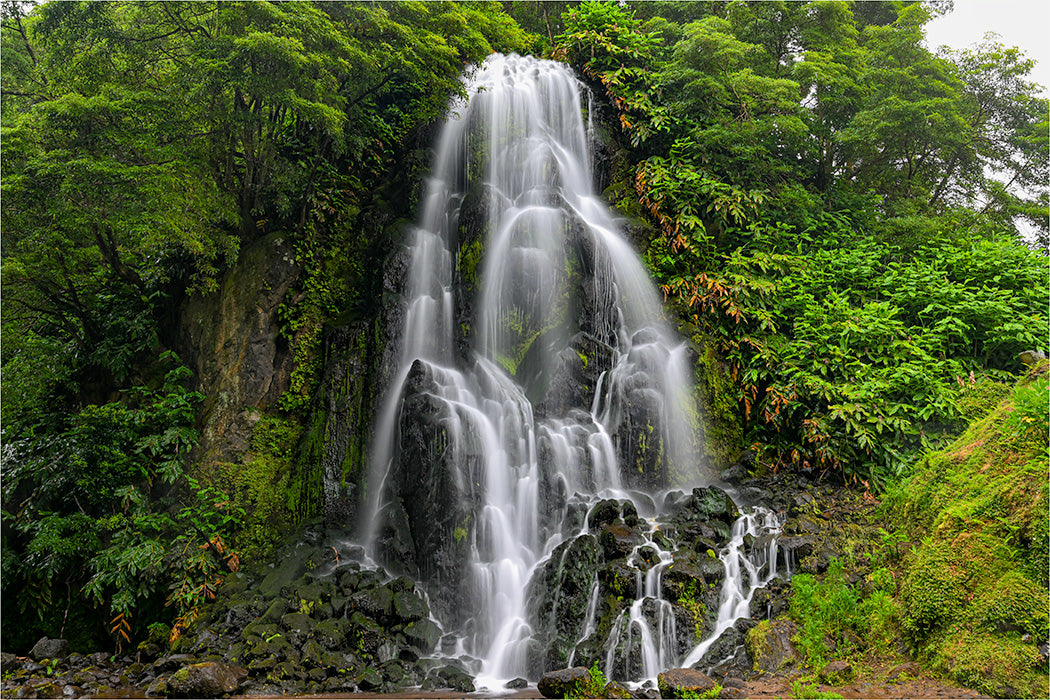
103, 512
831, 609
607, 43
828, 245
143, 143
593, 687
812, 691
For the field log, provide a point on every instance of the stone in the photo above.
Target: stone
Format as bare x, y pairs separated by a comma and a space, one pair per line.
49, 649
836, 673
731, 693
1031, 357
909, 669
564, 682
617, 690
330, 633
47, 689
369, 679
158, 688
210, 679
457, 679
769, 645
603, 513
516, 684
408, 606
298, 622
9, 662
683, 682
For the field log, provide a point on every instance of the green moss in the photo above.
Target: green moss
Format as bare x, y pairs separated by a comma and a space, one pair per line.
1014, 603
934, 591
470, 255
978, 581
687, 598
1000, 666
755, 641
258, 485
720, 413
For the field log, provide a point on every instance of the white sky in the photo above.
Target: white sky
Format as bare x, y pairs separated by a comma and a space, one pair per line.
1021, 23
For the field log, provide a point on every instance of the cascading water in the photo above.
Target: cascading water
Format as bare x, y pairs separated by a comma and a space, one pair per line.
535, 375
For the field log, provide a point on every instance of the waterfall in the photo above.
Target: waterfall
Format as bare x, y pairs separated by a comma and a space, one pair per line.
535, 374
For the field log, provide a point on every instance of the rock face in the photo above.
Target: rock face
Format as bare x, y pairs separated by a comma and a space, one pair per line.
683, 683
431, 506
205, 680
230, 339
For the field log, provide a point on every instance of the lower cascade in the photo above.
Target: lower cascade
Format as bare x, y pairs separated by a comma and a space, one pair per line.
535, 464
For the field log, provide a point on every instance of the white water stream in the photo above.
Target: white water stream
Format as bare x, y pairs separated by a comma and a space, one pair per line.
554, 267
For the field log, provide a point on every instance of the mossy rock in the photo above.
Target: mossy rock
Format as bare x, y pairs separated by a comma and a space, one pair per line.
769, 645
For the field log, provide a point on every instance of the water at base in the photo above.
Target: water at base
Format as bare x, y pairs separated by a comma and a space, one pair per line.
555, 271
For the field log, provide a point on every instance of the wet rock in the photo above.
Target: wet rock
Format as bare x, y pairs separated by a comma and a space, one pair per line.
49, 649
407, 606
836, 673
365, 634
205, 680
516, 684
369, 679
331, 633
230, 338
297, 622
559, 597
456, 678
616, 690
377, 603
683, 682
604, 513
564, 682
423, 635
732, 693
712, 503
771, 601
617, 541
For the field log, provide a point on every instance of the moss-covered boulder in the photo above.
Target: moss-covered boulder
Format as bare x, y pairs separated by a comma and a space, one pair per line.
685, 683
770, 647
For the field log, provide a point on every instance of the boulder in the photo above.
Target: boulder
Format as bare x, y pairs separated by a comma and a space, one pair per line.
563, 682
683, 682
769, 645
456, 678
49, 649
210, 679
